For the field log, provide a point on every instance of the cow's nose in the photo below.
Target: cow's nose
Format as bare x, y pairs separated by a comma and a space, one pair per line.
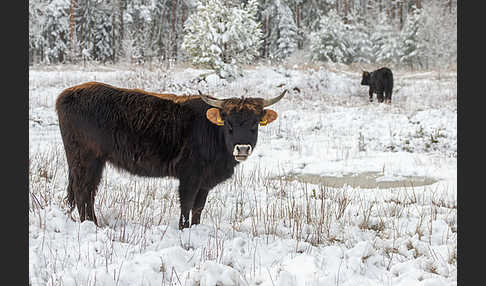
241, 151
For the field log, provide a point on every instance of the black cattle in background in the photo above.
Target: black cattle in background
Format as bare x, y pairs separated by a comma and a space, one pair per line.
380, 82
197, 139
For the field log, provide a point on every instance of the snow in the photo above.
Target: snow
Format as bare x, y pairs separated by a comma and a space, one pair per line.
260, 228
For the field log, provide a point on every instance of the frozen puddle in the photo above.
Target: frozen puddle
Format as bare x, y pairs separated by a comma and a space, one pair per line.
367, 180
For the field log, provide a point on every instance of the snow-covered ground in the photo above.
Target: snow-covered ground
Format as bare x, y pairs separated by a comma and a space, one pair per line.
263, 226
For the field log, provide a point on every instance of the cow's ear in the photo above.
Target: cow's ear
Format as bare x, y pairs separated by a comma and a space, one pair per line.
213, 115
268, 117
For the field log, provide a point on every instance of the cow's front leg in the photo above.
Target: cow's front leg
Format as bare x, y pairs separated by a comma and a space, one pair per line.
371, 94
199, 205
188, 190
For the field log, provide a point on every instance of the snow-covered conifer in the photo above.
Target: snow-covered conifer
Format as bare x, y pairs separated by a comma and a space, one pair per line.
49, 30
282, 31
94, 26
411, 48
438, 34
221, 37
385, 41
330, 43
358, 38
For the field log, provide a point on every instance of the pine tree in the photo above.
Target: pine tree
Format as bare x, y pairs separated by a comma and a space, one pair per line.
358, 37
36, 40
94, 25
438, 34
385, 41
330, 43
104, 42
410, 44
49, 32
287, 32
138, 19
159, 40
280, 30
222, 37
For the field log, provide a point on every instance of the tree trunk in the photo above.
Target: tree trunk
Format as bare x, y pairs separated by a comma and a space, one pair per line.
114, 36
400, 13
297, 23
61, 52
174, 33
121, 31
265, 23
345, 11
184, 14
71, 30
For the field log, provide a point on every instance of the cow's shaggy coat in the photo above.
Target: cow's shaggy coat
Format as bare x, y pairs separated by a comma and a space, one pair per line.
152, 135
380, 82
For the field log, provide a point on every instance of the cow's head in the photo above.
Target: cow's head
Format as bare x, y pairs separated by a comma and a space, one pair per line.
240, 118
366, 78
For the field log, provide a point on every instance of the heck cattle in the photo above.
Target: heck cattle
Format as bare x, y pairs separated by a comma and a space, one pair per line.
197, 139
380, 81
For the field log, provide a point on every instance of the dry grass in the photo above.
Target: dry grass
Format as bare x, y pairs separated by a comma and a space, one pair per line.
258, 204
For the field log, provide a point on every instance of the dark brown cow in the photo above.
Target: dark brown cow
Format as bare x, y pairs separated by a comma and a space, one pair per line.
198, 139
380, 81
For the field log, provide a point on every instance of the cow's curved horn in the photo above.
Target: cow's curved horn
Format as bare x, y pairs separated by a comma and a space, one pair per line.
268, 102
211, 101
361, 67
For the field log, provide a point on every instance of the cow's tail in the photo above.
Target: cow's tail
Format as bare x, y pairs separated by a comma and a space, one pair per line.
70, 197
388, 82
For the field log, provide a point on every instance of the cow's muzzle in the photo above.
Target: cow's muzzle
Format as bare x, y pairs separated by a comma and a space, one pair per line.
241, 152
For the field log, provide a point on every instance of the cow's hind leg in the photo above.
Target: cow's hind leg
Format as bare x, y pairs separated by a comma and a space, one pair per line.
95, 172
388, 97
379, 96
199, 206
85, 172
